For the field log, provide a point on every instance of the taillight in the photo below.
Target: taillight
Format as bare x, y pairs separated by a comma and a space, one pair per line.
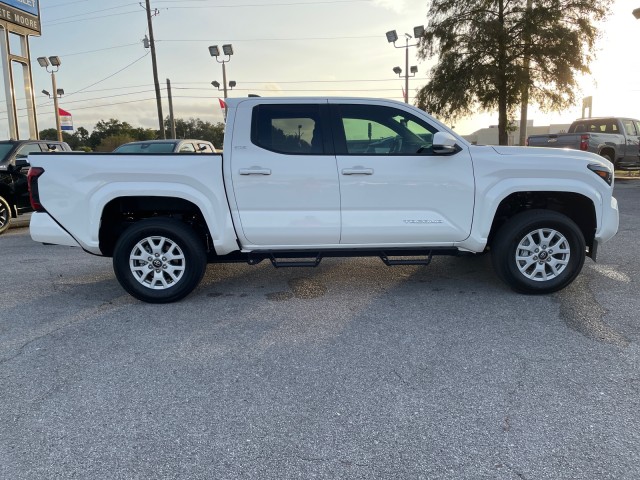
34, 194
584, 142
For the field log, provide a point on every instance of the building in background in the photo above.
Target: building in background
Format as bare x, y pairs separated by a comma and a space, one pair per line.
489, 136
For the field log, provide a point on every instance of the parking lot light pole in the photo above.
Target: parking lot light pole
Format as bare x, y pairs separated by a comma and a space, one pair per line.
53, 62
227, 51
392, 37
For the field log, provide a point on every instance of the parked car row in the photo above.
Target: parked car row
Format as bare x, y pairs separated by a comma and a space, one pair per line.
167, 146
14, 194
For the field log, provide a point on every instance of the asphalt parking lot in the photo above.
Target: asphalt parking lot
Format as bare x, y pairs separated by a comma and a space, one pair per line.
350, 370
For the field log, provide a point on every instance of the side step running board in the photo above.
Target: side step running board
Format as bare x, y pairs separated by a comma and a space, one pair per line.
426, 260
281, 263
284, 259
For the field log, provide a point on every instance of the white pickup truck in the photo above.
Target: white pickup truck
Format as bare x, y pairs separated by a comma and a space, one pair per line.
307, 178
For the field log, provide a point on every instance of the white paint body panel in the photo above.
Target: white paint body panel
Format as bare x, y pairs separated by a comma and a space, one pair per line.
296, 203
76, 187
305, 202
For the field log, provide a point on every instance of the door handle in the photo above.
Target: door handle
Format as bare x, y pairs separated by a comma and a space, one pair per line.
357, 171
255, 171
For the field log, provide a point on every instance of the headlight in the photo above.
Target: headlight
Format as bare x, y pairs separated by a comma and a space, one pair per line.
603, 172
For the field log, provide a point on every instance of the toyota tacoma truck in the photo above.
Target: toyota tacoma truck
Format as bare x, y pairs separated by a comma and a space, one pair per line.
615, 139
306, 178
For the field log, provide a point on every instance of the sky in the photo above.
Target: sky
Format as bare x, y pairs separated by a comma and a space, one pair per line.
281, 47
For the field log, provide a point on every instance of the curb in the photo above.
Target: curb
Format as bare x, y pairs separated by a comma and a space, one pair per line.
20, 222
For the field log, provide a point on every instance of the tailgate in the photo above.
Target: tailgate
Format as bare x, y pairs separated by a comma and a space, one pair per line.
555, 140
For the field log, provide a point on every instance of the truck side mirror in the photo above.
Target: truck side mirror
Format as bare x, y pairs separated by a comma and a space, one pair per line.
444, 144
21, 162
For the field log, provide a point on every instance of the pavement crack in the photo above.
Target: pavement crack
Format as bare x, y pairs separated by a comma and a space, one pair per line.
582, 312
77, 318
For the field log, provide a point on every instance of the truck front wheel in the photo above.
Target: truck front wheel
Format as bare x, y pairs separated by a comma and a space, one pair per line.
538, 251
159, 260
5, 215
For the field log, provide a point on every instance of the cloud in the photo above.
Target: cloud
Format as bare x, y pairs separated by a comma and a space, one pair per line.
273, 87
397, 6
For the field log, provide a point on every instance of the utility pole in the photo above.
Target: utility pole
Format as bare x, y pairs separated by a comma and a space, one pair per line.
172, 120
154, 63
524, 105
55, 105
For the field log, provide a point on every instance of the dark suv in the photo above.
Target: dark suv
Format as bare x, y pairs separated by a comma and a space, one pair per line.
14, 194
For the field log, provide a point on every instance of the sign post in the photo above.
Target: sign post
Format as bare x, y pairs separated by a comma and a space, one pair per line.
20, 18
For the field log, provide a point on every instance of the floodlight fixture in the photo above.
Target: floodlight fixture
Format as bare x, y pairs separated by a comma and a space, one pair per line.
46, 93
418, 32
55, 61
227, 49
43, 62
215, 84
214, 51
397, 70
392, 36
232, 83
414, 69
60, 91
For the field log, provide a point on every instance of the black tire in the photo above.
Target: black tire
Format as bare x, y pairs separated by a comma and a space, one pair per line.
159, 260
527, 270
5, 215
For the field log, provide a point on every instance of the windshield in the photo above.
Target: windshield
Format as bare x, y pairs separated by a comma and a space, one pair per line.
5, 148
151, 147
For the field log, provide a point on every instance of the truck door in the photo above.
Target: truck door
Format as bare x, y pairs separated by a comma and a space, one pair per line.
284, 175
394, 189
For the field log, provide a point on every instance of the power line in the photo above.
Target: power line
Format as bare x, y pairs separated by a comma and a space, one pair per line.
47, 24
99, 49
252, 5
110, 76
272, 39
80, 16
92, 12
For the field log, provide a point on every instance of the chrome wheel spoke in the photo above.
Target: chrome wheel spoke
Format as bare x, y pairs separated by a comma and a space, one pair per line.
157, 262
542, 254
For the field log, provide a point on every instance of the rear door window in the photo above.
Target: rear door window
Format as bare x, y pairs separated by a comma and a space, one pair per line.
204, 148
630, 128
187, 148
288, 129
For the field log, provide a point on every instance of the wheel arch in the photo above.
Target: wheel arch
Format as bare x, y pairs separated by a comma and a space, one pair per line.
576, 206
608, 151
122, 212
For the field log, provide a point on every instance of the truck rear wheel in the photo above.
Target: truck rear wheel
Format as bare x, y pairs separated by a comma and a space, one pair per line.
5, 215
609, 157
538, 251
159, 260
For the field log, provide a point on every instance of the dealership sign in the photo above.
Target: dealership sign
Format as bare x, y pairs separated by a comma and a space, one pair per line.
23, 13
66, 120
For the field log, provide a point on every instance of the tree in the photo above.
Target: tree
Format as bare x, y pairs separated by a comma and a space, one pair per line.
108, 144
484, 46
198, 129
116, 128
